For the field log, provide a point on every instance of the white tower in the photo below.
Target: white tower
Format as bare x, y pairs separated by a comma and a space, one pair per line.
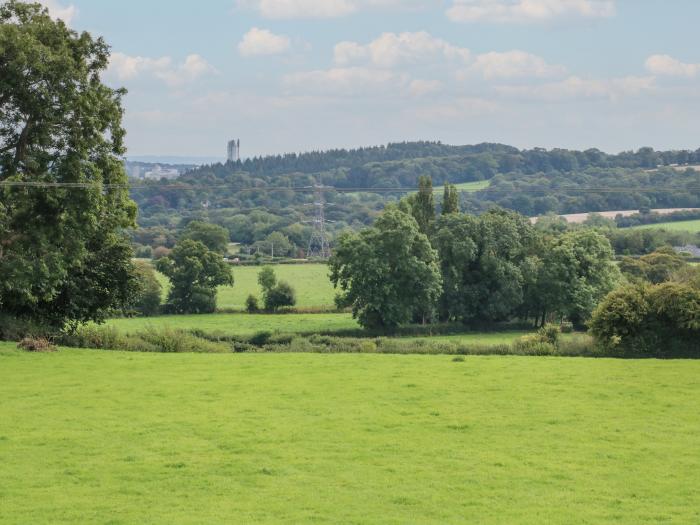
234, 150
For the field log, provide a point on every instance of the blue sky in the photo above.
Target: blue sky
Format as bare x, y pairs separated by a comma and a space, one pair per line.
296, 75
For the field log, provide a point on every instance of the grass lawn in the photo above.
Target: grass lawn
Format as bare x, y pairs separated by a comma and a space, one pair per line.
311, 282
490, 338
108, 437
242, 324
679, 226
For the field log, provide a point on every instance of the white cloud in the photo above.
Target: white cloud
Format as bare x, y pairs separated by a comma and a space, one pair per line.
346, 81
323, 8
461, 107
57, 10
668, 66
578, 88
514, 64
124, 67
391, 49
263, 42
420, 87
524, 11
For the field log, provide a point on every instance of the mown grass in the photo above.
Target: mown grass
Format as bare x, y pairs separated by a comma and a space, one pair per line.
311, 282
242, 324
109, 437
679, 226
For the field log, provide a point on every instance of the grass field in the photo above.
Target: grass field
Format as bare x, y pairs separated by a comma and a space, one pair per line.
242, 324
311, 282
108, 437
679, 226
467, 186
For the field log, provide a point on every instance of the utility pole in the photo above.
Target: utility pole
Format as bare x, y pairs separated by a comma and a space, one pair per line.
318, 244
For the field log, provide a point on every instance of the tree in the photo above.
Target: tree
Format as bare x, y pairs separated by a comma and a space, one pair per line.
388, 273
481, 259
643, 320
656, 268
267, 278
280, 296
276, 295
576, 270
210, 235
63, 256
148, 298
450, 200
423, 205
194, 272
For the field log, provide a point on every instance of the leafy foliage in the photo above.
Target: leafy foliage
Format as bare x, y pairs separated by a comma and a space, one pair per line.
389, 273
62, 256
210, 235
649, 321
195, 272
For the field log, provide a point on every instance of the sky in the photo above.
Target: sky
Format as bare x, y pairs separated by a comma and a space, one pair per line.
300, 75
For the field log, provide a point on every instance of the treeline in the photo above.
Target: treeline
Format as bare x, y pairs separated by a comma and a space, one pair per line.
649, 217
590, 190
412, 266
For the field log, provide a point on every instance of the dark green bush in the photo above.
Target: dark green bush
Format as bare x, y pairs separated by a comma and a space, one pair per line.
251, 304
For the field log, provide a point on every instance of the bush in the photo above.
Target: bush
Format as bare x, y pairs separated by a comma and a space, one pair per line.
280, 296
147, 300
251, 304
13, 329
549, 333
40, 344
533, 345
649, 321
165, 340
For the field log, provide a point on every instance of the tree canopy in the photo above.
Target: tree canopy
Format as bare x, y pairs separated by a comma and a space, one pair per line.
63, 257
388, 273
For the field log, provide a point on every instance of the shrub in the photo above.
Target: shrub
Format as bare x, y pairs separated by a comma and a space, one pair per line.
13, 329
147, 300
549, 333
280, 296
40, 344
533, 345
649, 321
251, 304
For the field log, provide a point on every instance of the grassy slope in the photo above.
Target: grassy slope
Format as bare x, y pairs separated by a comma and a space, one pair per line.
680, 226
134, 438
467, 186
310, 281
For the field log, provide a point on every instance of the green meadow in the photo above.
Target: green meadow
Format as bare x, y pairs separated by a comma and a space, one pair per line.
680, 226
311, 282
242, 324
470, 187
108, 437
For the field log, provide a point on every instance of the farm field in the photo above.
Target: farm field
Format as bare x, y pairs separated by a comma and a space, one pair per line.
242, 324
467, 186
311, 282
110, 437
680, 226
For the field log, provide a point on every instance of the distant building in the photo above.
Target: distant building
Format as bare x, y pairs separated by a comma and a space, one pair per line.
158, 173
234, 150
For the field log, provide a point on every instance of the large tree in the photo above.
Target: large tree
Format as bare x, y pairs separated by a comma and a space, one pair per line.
194, 272
482, 262
388, 273
63, 256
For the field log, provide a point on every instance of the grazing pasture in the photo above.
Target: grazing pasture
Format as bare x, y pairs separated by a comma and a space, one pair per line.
311, 282
110, 437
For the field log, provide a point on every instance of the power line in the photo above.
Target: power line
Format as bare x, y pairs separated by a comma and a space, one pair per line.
341, 190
